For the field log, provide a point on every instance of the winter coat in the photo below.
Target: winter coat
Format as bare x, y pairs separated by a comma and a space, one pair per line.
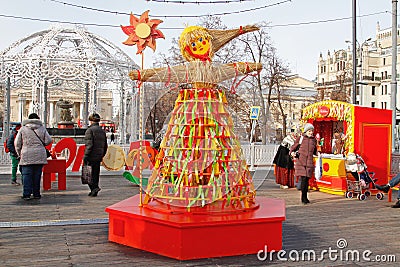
304, 165
28, 146
10, 143
282, 158
96, 143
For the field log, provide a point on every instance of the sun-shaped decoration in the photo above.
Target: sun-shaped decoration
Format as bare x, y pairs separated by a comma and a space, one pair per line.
142, 32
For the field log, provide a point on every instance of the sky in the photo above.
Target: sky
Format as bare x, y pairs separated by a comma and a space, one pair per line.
300, 29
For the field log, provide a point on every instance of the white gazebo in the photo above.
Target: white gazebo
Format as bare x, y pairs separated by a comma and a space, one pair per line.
71, 61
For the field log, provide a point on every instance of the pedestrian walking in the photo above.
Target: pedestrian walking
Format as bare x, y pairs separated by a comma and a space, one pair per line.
30, 145
13, 154
112, 137
96, 148
306, 147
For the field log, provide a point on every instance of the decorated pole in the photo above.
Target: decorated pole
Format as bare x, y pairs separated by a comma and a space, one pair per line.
142, 32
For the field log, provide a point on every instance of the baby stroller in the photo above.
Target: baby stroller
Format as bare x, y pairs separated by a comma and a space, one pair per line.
361, 186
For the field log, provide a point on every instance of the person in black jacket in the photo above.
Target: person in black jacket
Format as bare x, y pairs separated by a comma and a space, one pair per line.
96, 148
13, 154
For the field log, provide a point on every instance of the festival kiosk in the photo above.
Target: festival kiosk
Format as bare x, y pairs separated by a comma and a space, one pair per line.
364, 131
200, 199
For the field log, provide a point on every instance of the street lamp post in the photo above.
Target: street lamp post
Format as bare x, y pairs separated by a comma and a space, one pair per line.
354, 23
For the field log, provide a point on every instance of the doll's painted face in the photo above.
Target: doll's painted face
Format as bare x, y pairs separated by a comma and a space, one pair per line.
195, 43
200, 46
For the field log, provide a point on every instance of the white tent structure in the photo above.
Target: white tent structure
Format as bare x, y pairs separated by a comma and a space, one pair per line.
69, 59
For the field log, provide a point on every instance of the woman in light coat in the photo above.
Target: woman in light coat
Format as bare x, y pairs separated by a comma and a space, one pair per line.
29, 145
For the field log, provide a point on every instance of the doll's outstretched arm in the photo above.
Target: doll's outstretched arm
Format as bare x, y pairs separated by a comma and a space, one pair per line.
174, 74
144, 75
231, 70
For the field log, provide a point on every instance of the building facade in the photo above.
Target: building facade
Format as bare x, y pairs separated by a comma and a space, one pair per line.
374, 63
21, 105
295, 94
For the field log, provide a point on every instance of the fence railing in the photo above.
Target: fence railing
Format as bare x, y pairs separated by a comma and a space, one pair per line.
255, 154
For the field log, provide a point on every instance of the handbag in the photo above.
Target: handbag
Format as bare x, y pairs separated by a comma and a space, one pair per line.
48, 153
296, 151
86, 176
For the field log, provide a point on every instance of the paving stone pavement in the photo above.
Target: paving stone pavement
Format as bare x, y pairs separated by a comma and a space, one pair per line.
68, 228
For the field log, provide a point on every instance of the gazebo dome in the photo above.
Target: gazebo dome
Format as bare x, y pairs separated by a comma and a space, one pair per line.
67, 58
71, 54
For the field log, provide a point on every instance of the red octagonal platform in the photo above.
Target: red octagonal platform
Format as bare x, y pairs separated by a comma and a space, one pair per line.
186, 236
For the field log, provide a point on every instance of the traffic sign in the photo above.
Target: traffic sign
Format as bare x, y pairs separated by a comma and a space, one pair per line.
254, 112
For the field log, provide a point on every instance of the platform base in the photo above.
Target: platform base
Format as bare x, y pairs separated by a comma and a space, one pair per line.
188, 236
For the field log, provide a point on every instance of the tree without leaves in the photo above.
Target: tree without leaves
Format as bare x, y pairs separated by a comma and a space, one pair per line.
341, 92
277, 78
259, 49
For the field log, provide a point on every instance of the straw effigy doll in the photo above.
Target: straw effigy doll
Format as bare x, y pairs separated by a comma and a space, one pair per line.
200, 165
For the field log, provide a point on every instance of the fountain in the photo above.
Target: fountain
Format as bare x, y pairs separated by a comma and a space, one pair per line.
65, 114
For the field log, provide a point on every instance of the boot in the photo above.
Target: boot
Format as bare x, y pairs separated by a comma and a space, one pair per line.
397, 205
385, 188
304, 190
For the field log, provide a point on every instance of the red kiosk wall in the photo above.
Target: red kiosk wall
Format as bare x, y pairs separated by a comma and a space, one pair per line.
373, 140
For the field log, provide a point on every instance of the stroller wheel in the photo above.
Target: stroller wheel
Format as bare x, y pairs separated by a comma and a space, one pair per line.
349, 194
380, 196
367, 193
361, 197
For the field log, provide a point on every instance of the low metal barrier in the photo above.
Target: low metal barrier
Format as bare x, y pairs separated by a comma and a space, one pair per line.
255, 154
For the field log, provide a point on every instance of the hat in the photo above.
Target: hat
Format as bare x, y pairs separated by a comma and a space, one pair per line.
33, 116
308, 126
94, 117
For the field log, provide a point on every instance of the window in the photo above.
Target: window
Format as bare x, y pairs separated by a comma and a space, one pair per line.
386, 90
373, 75
383, 105
373, 104
386, 75
373, 90
324, 69
384, 61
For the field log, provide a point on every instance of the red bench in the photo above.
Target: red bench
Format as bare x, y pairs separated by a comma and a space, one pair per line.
52, 167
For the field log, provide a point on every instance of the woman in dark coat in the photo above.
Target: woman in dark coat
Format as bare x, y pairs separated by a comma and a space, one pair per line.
283, 163
304, 164
95, 150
